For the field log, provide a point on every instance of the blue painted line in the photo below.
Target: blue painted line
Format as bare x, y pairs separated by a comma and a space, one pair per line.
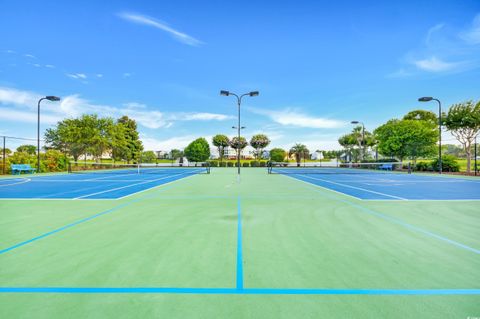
412, 227
239, 246
394, 220
234, 291
23, 243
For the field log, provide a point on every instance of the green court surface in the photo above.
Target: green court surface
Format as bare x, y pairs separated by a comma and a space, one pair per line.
268, 246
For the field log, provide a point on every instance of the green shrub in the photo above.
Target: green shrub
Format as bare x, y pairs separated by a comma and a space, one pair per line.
254, 163
213, 163
423, 167
222, 164
246, 164
230, 164
262, 163
449, 164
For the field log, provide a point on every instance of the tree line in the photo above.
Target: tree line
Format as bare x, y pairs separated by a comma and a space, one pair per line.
416, 134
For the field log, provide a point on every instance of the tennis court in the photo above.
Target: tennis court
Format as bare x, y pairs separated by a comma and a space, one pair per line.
89, 182
269, 246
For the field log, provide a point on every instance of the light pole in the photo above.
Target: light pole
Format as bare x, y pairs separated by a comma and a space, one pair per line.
50, 98
363, 137
238, 127
428, 99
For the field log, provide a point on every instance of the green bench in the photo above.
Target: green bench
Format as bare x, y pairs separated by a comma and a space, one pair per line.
17, 169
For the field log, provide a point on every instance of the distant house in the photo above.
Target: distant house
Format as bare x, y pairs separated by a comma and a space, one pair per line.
162, 154
317, 155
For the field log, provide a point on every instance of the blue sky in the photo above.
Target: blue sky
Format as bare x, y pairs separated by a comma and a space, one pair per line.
317, 64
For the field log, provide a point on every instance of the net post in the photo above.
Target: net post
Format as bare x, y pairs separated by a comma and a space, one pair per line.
4, 168
138, 168
409, 168
69, 167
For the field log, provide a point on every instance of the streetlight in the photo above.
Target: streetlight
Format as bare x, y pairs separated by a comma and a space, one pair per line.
363, 137
50, 98
238, 127
428, 99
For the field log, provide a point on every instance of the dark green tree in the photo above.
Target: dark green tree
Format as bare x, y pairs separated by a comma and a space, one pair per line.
422, 115
148, 157
406, 139
134, 145
29, 149
277, 154
198, 150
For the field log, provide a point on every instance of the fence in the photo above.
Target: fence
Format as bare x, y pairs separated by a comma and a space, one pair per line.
9, 145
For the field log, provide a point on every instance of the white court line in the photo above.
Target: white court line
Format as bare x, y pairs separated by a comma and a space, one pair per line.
354, 187
23, 181
127, 186
150, 188
88, 180
325, 188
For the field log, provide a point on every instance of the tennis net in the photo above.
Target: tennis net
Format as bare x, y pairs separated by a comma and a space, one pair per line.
160, 168
337, 168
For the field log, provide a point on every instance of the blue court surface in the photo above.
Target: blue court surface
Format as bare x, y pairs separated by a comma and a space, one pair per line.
93, 185
394, 186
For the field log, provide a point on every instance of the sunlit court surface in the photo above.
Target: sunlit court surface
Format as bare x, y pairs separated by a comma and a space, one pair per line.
272, 245
240, 159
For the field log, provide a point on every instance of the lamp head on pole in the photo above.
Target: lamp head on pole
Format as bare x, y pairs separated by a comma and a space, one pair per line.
224, 93
354, 122
425, 99
52, 98
253, 93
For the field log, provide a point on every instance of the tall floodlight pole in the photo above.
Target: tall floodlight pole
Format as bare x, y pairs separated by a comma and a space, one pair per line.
363, 137
50, 98
428, 99
238, 127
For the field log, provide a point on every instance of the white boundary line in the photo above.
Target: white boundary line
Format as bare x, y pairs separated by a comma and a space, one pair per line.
314, 185
147, 189
354, 187
127, 186
23, 181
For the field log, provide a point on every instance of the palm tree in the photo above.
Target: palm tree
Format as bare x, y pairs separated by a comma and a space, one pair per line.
300, 151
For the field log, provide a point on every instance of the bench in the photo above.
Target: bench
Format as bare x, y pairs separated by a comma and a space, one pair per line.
17, 169
387, 167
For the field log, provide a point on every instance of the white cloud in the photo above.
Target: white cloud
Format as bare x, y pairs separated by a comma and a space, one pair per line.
14, 115
99, 75
50, 66
167, 144
141, 19
434, 64
472, 35
126, 75
77, 76
18, 97
74, 106
432, 31
201, 117
294, 117
36, 65
31, 56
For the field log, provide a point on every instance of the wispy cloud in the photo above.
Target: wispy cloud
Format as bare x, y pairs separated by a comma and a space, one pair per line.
472, 35
445, 50
31, 56
99, 75
50, 66
77, 76
294, 117
126, 75
145, 20
74, 105
434, 64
